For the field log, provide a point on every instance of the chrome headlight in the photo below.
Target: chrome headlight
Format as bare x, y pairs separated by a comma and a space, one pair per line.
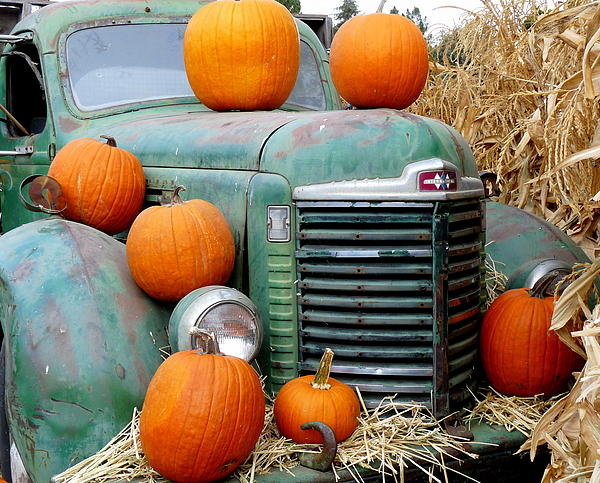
224, 311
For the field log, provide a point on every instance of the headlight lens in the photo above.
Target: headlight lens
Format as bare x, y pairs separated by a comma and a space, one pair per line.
224, 311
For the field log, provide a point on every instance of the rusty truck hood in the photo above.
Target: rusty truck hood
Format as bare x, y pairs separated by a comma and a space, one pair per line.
304, 147
196, 139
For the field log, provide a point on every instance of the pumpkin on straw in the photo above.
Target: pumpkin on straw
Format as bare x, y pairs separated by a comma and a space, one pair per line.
202, 415
316, 398
520, 357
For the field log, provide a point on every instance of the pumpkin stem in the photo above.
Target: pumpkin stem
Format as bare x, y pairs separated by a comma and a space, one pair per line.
322, 376
207, 342
176, 199
543, 287
110, 140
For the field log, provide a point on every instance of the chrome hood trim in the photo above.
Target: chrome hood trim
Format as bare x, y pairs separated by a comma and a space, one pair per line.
403, 188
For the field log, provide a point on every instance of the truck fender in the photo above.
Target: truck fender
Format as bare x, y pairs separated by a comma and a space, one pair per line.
524, 247
82, 341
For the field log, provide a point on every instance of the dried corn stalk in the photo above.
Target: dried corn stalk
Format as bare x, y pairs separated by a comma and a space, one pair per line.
571, 428
526, 96
566, 317
495, 279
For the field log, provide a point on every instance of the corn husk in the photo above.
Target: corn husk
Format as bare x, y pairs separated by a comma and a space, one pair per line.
571, 428
495, 279
566, 317
526, 96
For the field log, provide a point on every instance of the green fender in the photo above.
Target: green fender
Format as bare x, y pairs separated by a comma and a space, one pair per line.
518, 242
82, 341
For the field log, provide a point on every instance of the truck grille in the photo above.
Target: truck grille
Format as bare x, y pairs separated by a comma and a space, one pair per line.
367, 289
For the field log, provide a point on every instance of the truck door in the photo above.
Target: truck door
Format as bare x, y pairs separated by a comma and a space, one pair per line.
26, 133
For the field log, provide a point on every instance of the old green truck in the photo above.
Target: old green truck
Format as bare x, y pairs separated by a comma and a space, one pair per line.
361, 230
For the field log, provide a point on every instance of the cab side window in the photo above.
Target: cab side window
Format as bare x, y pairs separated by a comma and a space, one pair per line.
26, 99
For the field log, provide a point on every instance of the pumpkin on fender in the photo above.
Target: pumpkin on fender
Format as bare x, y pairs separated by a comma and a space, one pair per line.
520, 356
177, 248
102, 184
316, 398
242, 55
202, 415
379, 60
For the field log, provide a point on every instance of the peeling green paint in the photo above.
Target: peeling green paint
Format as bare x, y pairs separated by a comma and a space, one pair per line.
82, 341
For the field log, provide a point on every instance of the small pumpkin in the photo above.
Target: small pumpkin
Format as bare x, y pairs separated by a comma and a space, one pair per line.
520, 356
379, 60
179, 247
316, 398
202, 414
242, 54
102, 184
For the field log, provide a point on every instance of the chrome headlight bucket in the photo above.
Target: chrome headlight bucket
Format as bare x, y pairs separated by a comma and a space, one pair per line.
224, 311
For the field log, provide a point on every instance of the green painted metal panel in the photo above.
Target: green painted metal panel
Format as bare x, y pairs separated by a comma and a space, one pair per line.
184, 139
374, 351
380, 234
367, 285
14, 213
381, 217
342, 145
82, 341
367, 301
272, 281
518, 241
315, 252
373, 334
364, 268
332, 316
440, 389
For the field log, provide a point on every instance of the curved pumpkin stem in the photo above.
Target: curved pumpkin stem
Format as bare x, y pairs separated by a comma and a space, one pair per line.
207, 342
541, 288
176, 200
110, 140
321, 380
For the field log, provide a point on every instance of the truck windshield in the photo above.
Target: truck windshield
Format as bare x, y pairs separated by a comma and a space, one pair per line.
124, 64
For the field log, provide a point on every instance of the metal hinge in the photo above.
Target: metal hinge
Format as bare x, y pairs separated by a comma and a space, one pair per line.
18, 151
13, 39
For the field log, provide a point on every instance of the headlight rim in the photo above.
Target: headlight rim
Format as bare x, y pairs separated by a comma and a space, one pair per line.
198, 303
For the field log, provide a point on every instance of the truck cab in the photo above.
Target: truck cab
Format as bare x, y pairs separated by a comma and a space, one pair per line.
360, 230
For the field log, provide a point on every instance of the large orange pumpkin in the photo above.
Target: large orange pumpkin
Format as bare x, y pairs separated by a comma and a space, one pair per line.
519, 355
316, 398
202, 415
242, 55
102, 184
379, 60
179, 247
